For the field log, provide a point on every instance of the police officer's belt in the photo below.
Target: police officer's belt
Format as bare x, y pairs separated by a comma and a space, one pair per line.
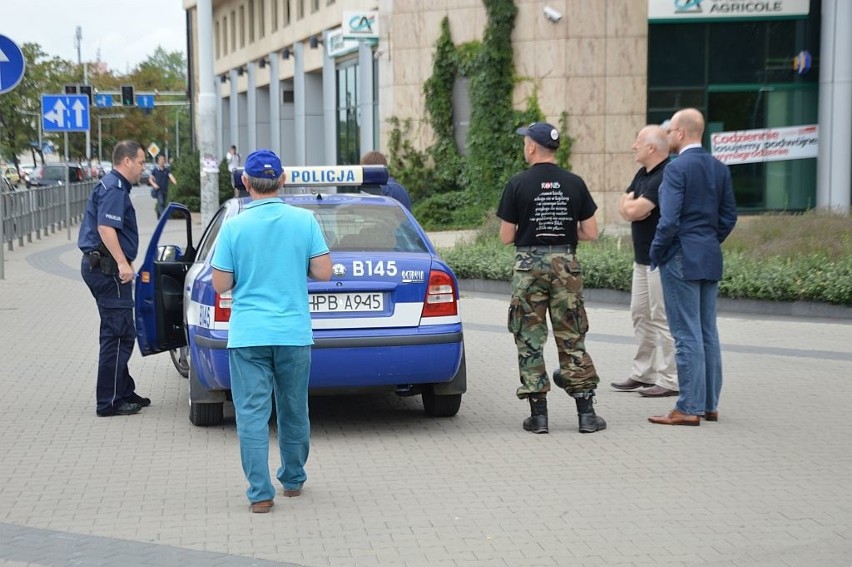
560, 249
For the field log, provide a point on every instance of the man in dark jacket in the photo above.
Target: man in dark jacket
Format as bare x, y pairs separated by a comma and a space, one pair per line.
697, 213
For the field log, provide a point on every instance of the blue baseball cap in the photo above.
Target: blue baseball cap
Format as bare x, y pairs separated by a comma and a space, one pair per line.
541, 133
263, 164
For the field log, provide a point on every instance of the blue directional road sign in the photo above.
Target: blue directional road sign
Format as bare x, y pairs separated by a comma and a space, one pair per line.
103, 101
12, 64
64, 113
145, 101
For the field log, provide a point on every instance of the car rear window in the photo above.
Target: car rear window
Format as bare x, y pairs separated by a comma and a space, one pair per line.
365, 227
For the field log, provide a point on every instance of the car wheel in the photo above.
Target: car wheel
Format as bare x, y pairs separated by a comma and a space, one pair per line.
180, 360
204, 414
440, 406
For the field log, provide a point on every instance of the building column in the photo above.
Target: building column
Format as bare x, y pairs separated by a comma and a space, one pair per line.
299, 110
365, 95
234, 114
274, 104
220, 101
251, 108
834, 161
329, 103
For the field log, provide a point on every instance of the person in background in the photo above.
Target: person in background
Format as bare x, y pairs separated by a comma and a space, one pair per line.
109, 240
233, 159
392, 188
545, 211
697, 213
159, 179
264, 256
653, 373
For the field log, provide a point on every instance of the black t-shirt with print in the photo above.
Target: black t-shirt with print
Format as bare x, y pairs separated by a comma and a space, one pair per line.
646, 184
546, 202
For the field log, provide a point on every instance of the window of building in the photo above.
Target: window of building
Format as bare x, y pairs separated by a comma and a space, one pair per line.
740, 75
216, 40
315, 6
261, 18
273, 6
242, 26
348, 117
251, 20
288, 14
329, 2
300, 9
233, 31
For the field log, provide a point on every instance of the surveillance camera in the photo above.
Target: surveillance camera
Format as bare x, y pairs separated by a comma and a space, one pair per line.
551, 14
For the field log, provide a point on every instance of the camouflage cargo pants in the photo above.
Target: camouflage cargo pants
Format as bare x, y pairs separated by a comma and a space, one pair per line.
545, 282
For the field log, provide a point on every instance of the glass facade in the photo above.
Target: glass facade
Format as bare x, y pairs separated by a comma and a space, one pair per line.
348, 112
740, 74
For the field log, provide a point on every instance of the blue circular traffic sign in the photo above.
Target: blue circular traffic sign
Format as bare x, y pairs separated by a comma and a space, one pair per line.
12, 64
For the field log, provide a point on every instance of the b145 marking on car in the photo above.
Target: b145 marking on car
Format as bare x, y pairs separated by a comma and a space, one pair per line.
370, 268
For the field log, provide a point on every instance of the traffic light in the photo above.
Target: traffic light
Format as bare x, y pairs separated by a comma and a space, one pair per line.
87, 90
127, 97
70, 89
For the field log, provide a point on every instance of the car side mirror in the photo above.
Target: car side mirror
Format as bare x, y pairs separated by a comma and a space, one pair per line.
169, 253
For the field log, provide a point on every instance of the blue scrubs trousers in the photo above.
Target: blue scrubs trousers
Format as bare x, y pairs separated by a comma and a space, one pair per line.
257, 373
117, 335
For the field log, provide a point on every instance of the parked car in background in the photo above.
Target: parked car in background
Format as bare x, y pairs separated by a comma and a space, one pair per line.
54, 174
5, 185
26, 170
388, 319
10, 172
103, 169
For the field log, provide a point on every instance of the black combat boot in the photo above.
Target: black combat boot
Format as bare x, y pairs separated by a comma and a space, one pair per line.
589, 422
537, 421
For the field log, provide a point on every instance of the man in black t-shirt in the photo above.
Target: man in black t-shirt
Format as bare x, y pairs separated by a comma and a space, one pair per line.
545, 212
654, 372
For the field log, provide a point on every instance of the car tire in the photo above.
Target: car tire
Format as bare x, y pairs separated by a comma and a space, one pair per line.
181, 360
204, 414
440, 406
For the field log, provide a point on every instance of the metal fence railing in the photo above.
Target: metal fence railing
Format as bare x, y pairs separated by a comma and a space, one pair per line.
38, 211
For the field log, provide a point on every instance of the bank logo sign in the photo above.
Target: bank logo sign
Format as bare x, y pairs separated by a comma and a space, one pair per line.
688, 10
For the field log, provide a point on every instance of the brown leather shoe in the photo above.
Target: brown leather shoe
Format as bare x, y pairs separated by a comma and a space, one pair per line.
262, 507
711, 415
675, 417
292, 492
629, 385
657, 392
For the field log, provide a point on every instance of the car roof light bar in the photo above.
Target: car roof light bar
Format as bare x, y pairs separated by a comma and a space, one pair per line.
340, 175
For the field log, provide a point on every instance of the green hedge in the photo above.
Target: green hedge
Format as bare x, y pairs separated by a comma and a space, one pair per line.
809, 260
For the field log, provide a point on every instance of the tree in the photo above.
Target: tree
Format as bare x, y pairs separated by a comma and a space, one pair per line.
20, 108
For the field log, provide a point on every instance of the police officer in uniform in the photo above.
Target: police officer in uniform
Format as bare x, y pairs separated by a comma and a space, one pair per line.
544, 211
109, 240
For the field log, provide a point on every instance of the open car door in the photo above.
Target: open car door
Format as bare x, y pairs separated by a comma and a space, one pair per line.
160, 281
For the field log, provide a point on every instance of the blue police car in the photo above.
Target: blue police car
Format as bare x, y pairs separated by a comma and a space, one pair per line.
389, 318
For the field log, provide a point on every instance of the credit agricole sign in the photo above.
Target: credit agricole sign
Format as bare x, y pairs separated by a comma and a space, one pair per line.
688, 10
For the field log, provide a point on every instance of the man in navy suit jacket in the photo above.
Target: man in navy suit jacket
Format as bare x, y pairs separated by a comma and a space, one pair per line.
697, 213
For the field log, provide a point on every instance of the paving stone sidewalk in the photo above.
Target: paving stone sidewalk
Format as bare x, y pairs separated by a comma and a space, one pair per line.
770, 484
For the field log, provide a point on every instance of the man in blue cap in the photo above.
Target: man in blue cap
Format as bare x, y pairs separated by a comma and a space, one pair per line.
264, 256
545, 211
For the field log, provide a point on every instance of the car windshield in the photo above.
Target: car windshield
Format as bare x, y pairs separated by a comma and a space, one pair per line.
358, 226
